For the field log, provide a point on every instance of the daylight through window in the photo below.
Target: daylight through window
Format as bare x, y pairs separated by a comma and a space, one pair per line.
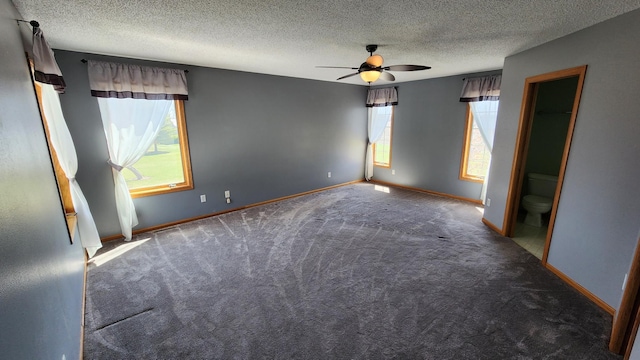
61, 178
382, 147
166, 166
476, 156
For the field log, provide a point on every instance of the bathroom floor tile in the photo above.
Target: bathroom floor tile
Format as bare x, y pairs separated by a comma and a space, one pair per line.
531, 238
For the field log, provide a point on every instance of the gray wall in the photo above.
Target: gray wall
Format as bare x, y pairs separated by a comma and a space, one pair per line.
550, 124
41, 273
428, 131
260, 136
597, 221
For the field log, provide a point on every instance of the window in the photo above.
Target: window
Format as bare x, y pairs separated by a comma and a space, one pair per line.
475, 154
382, 147
61, 178
166, 166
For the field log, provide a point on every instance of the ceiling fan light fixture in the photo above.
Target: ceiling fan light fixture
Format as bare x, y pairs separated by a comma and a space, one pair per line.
371, 70
370, 76
375, 60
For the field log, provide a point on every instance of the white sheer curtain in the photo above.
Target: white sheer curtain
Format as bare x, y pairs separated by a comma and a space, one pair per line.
483, 95
377, 121
130, 126
376, 125
134, 101
485, 116
48, 74
63, 144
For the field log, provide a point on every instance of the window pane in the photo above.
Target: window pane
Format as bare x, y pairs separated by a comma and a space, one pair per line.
476, 155
479, 155
162, 163
382, 147
61, 178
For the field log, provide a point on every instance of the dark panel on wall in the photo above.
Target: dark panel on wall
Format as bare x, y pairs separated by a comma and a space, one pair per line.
554, 103
259, 136
41, 272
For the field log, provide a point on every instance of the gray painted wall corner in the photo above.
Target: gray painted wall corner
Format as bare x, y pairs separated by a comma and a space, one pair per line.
427, 138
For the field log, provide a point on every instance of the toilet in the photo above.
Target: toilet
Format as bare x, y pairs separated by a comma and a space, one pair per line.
539, 200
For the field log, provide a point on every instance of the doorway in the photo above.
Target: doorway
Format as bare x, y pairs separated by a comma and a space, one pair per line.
547, 119
627, 318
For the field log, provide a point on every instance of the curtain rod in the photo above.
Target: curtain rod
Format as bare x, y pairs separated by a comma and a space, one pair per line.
464, 78
33, 24
84, 61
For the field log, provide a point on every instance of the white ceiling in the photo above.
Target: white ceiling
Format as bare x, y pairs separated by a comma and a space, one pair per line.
289, 38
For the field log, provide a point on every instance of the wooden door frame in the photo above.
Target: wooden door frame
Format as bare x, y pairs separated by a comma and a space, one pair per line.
627, 317
522, 146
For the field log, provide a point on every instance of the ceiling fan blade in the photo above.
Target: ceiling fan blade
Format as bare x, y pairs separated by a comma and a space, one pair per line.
387, 76
346, 76
406, 67
337, 67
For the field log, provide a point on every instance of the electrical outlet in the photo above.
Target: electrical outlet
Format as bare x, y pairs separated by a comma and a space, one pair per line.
329, 174
203, 198
227, 194
488, 202
228, 200
393, 172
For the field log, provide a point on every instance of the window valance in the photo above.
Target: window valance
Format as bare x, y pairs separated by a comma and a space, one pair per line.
481, 88
45, 67
382, 97
114, 80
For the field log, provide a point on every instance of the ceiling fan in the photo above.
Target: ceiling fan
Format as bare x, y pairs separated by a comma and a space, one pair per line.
372, 69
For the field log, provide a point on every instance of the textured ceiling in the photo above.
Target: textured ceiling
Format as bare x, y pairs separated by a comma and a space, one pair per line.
289, 38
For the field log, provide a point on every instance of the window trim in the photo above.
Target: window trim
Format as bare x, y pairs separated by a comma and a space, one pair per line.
466, 145
383, 165
187, 184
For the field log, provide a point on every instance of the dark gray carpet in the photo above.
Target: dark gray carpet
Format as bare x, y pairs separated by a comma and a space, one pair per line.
349, 273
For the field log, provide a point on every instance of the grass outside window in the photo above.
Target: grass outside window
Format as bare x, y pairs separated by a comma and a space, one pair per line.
166, 166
